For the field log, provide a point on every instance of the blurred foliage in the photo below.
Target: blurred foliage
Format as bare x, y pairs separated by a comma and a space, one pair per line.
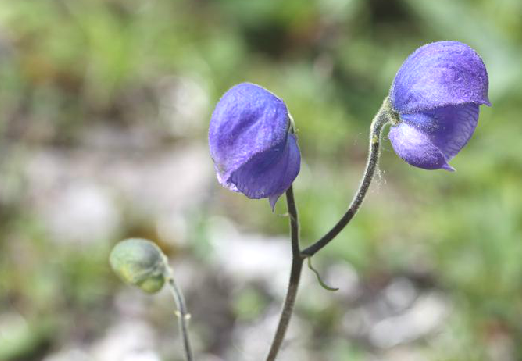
67, 66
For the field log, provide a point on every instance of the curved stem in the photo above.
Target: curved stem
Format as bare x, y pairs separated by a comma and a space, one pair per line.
382, 117
293, 284
182, 314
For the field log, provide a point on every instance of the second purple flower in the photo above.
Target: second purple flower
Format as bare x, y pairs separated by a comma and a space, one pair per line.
252, 143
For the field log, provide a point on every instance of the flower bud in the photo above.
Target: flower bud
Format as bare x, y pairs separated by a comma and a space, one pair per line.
140, 263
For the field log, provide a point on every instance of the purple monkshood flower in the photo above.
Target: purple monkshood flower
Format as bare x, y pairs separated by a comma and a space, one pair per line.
252, 143
437, 93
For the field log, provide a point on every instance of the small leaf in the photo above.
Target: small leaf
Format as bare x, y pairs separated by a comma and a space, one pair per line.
323, 285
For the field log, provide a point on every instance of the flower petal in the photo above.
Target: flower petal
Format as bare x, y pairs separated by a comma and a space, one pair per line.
271, 173
439, 74
224, 180
247, 120
416, 148
448, 128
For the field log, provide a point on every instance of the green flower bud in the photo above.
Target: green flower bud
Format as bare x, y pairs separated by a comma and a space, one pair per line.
140, 263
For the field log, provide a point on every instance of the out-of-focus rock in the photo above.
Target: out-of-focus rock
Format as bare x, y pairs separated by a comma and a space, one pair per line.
81, 212
183, 105
83, 195
249, 346
250, 257
425, 316
71, 354
127, 341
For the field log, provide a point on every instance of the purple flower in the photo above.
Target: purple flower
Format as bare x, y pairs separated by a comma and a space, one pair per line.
437, 93
252, 143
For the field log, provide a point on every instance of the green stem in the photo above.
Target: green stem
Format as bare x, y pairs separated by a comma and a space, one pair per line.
182, 314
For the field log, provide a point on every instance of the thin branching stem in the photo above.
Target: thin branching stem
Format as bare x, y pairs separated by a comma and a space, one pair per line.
383, 116
295, 276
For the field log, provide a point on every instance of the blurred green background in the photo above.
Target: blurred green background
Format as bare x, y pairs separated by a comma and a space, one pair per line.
104, 108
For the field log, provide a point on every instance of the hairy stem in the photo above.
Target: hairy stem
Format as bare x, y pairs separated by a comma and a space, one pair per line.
182, 314
382, 117
293, 284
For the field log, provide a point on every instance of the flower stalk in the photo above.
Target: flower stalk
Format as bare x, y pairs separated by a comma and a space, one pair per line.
382, 117
181, 313
293, 283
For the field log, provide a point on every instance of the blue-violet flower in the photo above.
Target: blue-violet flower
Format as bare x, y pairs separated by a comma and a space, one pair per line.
436, 94
252, 143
